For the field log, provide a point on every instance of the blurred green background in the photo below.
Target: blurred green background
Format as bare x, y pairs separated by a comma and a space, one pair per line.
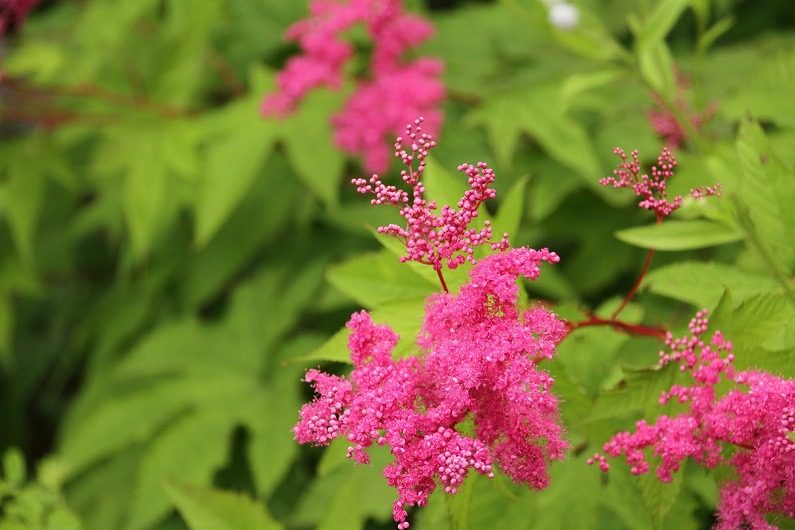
171, 262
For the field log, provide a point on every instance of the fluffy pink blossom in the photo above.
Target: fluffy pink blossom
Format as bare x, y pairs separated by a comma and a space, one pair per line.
394, 92
478, 362
432, 238
14, 12
749, 427
652, 189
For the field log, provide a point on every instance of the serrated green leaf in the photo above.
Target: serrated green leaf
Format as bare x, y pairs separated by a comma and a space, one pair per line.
676, 235
209, 509
638, 392
702, 284
768, 189
753, 321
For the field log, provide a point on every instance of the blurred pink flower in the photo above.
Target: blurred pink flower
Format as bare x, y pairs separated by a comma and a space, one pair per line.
14, 12
395, 91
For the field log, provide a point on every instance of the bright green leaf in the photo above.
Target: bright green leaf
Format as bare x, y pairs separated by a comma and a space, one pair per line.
679, 235
208, 509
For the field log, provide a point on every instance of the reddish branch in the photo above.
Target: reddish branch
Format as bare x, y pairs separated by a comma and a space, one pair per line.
619, 325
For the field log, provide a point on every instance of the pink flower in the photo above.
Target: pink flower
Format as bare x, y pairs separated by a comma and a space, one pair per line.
14, 12
652, 188
748, 428
394, 92
664, 121
478, 361
432, 238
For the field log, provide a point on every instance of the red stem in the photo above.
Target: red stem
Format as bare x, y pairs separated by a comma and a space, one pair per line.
632, 329
441, 279
631, 294
633, 291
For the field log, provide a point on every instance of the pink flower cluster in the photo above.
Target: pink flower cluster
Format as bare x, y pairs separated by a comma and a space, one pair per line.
652, 188
394, 93
748, 428
478, 364
664, 120
431, 238
14, 12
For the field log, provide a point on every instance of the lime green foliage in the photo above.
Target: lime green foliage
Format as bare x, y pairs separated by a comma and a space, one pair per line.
33, 504
171, 262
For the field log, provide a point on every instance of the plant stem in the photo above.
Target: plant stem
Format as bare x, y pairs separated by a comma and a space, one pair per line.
632, 329
634, 289
441, 279
636, 285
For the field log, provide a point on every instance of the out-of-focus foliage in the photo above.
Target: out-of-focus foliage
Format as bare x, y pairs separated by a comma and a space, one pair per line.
171, 262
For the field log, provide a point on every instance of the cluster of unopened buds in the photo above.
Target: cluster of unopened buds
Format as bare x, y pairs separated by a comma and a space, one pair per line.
652, 188
434, 236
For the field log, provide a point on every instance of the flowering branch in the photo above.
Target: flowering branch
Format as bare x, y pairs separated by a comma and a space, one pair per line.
652, 190
749, 430
435, 239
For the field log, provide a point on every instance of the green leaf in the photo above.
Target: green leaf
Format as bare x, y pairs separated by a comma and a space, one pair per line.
403, 316
443, 186
638, 392
270, 420
6, 331
768, 189
207, 434
308, 143
679, 235
657, 67
208, 509
753, 321
347, 496
509, 216
702, 284
14, 467
539, 112
126, 419
660, 496
21, 192
239, 141
374, 279
660, 21
554, 509
623, 497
